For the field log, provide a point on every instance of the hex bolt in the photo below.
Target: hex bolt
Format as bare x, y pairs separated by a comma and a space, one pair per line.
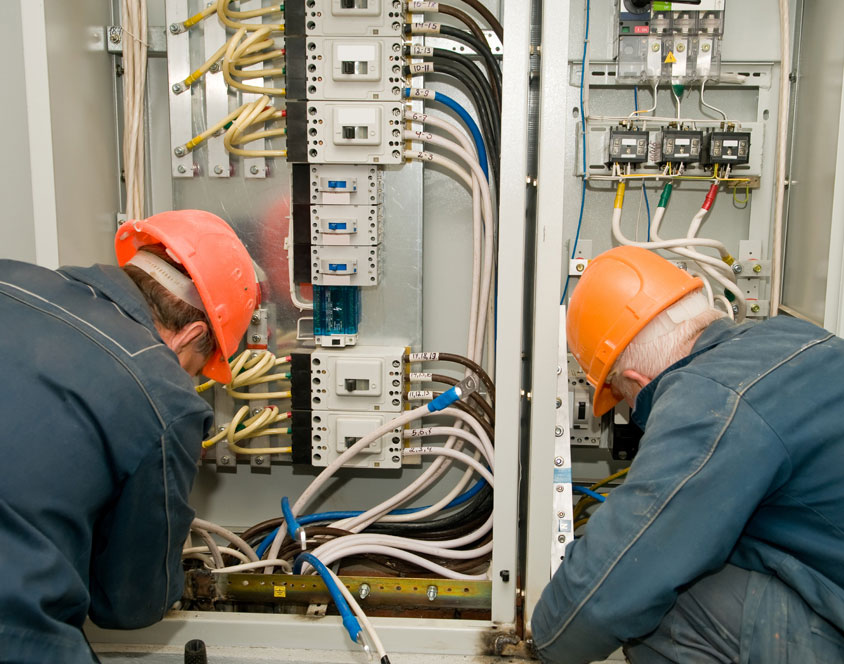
755, 308
257, 411
735, 309
757, 268
177, 88
180, 151
681, 47
224, 460
558, 431
175, 28
114, 35
558, 461
431, 593
254, 169
218, 170
561, 538
259, 461
737, 268
364, 590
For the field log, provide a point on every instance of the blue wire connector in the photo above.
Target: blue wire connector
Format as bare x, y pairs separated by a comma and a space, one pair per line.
463, 389
350, 622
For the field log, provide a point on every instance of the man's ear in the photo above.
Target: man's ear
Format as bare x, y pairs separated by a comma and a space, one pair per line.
640, 379
187, 335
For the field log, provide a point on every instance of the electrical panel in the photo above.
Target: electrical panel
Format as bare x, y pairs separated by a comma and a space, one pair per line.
365, 18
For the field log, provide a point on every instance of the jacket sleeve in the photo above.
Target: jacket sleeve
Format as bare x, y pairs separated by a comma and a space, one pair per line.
707, 460
136, 569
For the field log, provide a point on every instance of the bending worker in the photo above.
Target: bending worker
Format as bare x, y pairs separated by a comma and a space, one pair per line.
726, 541
102, 426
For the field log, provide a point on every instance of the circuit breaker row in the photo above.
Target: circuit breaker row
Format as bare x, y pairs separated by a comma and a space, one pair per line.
679, 146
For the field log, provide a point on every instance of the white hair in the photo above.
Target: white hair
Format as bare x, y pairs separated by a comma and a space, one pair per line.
667, 339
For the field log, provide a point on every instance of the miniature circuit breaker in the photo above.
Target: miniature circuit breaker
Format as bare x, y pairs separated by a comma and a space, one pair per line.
628, 146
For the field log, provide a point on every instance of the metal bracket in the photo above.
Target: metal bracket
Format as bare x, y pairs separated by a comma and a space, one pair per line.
156, 40
458, 47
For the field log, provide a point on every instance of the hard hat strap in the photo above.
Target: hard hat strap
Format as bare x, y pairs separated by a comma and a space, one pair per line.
168, 276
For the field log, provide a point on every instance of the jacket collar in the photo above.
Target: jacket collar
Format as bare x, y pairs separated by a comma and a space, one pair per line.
715, 333
118, 287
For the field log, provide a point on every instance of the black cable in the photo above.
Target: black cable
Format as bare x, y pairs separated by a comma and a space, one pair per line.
488, 16
482, 49
477, 505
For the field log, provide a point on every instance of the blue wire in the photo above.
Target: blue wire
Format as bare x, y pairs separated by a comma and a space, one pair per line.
350, 622
644, 190
587, 491
583, 150
336, 516
473, 126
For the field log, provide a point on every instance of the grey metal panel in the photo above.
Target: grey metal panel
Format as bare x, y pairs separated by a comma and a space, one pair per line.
550, 203
815, 155
17, 232
83, 131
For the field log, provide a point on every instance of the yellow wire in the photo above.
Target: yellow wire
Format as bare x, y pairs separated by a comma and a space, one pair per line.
225, 16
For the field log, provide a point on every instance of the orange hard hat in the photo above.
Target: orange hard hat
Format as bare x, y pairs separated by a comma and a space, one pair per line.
218, 264
620, 292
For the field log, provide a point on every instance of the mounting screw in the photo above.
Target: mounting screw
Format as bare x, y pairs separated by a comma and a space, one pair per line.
681, 47
559, 402
221, 429
561, 538
559, 488
255, 319
705, 48
396, 459
737, 268
559, 370
176, 28
579, 267
757, 268
561, 515
256, 338
224, 460
180, 151
656, 47
218, 170
735, 309
558, 431
214, 68
364, 590
115, 34
755, 308
257, 411
259, 461
181, 169
505, 575
254, 169
558, 461
431, 593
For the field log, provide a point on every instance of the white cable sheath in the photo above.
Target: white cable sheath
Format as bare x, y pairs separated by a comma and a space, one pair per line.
448, 452
226, 534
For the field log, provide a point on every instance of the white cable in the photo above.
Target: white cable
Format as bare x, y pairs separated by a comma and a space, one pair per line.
451, 431
364, 620
412, 558
308, 494
663, 244
677, 102
216, 557
710, 106
247, 567
299, 303
448, 452
226, 534
134, 23
223, 549
782, 146
420, 484
647, 110
724, 302
710, 296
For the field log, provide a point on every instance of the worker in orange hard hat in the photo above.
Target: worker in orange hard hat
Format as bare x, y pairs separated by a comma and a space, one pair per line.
102, 426
725, 542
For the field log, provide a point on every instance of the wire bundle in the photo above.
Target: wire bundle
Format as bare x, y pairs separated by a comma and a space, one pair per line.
134, 13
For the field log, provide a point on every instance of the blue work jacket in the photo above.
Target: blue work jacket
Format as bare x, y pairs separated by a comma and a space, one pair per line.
742, 462
100, 434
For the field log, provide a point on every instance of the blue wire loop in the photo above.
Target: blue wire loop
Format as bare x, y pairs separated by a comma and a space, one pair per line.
588, 492
470, 122
350, 622
293, 526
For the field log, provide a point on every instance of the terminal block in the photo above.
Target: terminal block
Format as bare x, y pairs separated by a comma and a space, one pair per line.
681, 146
351, 68
728, 147
628, 146
336, 315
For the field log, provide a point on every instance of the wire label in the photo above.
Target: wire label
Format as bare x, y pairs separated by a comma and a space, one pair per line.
423, 357
420, 433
